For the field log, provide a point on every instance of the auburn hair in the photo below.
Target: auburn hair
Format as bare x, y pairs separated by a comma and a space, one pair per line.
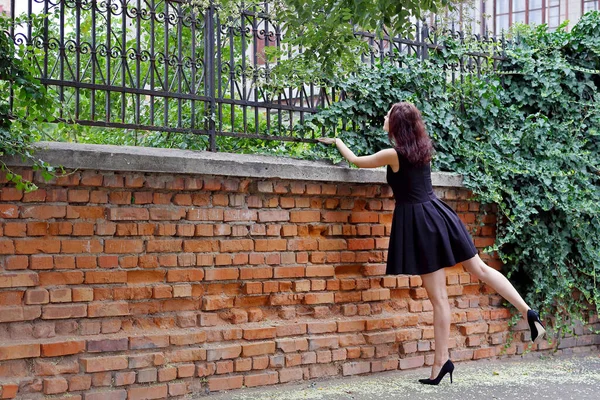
407, 133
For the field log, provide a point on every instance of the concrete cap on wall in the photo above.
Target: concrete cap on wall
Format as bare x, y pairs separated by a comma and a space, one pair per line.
157, 160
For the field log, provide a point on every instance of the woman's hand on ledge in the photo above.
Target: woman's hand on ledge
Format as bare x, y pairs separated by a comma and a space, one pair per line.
327, 140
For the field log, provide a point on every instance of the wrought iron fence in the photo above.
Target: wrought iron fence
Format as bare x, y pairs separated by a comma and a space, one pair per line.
161, 65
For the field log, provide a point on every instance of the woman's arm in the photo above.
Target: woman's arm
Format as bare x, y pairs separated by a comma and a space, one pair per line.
379, 159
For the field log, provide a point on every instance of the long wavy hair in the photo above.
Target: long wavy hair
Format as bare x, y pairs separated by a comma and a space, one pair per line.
407, 133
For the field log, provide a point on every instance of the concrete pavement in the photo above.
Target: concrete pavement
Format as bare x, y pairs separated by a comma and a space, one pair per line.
536, 376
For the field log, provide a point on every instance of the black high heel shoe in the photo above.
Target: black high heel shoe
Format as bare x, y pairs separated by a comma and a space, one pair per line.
446, 368
535, 325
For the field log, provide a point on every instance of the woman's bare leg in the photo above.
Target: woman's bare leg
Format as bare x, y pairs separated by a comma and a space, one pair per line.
435, 285
497, 281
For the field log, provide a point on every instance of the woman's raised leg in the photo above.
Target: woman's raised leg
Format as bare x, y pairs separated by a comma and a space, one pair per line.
497, 281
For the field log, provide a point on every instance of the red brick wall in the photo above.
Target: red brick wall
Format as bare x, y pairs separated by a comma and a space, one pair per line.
139, 285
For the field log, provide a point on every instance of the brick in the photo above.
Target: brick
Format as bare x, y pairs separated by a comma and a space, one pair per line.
216, 384
219, 274
223, 352
119, 394
240, 215
383, 323
61, 295
210, 214
178, 389
319, 298
185, 275
320, 271
60, 366
34, 246
164, 246
101, 277
200, 246
79, 383
61, 278
17, 351
137, 277
148, 342
261, 378
148, 392
351, 326
101, 364
305, 216
123, 246
85, 212
75, 246
259, 333
273, 216
15, 262
303, 244
486, 352
292, 345
64, 311
19, 313
323, 342
412, 362
101, 379
289, 272
290, 375
264, 245
44, 212
473, 328
108, 309
9, 211
16, 229
37, 296
60, 349
167, 374
55, 385
186, 355
256, 349
356, 367
380, 337
128, 214
147, 375
105, 345
235, 246
188, 370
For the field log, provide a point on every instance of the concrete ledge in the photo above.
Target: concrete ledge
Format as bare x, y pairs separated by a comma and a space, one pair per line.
146, 159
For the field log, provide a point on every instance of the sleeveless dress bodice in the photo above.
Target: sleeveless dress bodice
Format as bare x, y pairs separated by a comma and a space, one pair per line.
426, 234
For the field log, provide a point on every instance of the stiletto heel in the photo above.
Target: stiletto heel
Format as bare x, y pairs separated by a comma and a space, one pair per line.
448, 367
535, 326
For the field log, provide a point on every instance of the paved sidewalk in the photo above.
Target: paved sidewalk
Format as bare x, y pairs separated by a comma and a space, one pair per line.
535, 377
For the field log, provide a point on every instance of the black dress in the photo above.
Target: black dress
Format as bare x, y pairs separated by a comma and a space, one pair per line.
426, 233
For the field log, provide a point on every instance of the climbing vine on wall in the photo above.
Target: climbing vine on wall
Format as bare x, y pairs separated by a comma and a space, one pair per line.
527, 139
32, 105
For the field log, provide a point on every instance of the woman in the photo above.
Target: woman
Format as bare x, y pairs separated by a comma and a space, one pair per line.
426, 234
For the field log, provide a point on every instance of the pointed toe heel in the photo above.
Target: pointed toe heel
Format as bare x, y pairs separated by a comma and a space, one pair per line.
535, 326
448, 367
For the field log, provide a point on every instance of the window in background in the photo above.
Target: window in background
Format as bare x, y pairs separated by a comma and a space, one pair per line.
589, 5
553, 14
510, 12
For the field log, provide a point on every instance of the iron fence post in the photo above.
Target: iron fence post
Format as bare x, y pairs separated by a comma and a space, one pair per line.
209, 75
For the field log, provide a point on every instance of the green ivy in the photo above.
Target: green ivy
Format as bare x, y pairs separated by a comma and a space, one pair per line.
526, 139
32, 105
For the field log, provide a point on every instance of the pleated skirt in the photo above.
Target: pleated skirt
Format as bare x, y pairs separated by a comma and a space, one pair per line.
426, 237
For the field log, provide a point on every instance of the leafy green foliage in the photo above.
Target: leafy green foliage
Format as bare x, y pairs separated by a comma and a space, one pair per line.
31, 108
324, 30
527, 141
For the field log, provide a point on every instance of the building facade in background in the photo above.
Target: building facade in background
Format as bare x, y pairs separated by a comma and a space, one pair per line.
5, 6
497, 16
